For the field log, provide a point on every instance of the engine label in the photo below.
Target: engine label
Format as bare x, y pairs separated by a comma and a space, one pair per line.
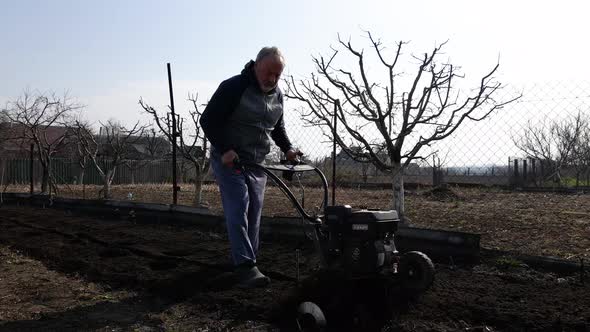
360, 227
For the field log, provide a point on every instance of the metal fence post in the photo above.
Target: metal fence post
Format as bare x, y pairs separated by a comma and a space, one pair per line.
524, 172
174, 134
336, 104
32, 169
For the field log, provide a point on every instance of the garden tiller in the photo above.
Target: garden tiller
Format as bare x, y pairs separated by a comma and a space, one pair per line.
357, 252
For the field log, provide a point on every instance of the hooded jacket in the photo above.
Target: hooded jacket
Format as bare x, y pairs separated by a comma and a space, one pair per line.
240, 116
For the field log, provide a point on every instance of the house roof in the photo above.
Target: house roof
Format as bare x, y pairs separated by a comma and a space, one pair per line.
13, 140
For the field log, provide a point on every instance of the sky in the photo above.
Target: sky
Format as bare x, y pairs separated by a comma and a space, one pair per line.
108, 54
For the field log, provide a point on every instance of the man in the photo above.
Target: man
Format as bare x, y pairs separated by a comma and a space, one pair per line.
242, 116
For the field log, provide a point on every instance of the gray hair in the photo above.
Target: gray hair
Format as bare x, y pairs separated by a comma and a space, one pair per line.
270, 51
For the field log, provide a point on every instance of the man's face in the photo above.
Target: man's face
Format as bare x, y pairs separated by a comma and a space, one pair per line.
268, 71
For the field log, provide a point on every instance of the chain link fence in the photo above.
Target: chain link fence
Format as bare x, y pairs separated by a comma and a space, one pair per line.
541, 140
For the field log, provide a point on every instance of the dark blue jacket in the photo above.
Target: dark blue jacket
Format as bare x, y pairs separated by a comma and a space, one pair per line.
240, 116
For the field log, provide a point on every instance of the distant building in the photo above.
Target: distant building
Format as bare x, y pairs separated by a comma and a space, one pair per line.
137, 148
15, 144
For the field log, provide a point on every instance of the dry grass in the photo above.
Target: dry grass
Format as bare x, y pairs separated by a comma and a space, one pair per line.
532, 223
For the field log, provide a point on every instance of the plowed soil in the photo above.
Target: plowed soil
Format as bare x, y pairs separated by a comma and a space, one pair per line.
64, 272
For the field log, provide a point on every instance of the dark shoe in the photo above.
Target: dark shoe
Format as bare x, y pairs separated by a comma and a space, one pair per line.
248, 276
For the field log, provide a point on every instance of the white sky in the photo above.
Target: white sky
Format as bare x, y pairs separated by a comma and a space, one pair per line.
108, 54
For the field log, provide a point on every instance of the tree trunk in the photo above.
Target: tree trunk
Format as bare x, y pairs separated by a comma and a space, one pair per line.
45, 179
108, 179
106, 188
184, 169
81, 181
558, 177
81, 175
2, 169
398, 192
198, 187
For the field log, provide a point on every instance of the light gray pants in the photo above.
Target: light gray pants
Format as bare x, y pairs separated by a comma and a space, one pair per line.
242, 196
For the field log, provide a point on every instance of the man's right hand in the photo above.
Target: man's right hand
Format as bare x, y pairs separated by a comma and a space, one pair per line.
227, 159
293, 155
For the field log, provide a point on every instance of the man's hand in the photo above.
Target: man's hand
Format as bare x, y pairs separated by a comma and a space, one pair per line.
293, 155
227, 159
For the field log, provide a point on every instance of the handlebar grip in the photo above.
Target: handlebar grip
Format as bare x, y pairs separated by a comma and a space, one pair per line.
290, 162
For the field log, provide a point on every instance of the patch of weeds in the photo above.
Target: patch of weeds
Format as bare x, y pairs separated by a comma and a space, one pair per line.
508, 263
443, 193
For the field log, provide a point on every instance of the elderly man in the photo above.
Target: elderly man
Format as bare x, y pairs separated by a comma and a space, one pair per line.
243, 115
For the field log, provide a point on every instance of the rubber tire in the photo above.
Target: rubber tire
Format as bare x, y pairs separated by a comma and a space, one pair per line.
310, 317
416, 271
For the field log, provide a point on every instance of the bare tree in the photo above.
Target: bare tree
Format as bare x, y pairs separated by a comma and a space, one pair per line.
582, 152
384, 116
438, 178
580, 159
156, 144
556, 144
42, 120
192, 147
4, 136
365, 172
153, 146
83, 133
569, 133
110, 149
2, 171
